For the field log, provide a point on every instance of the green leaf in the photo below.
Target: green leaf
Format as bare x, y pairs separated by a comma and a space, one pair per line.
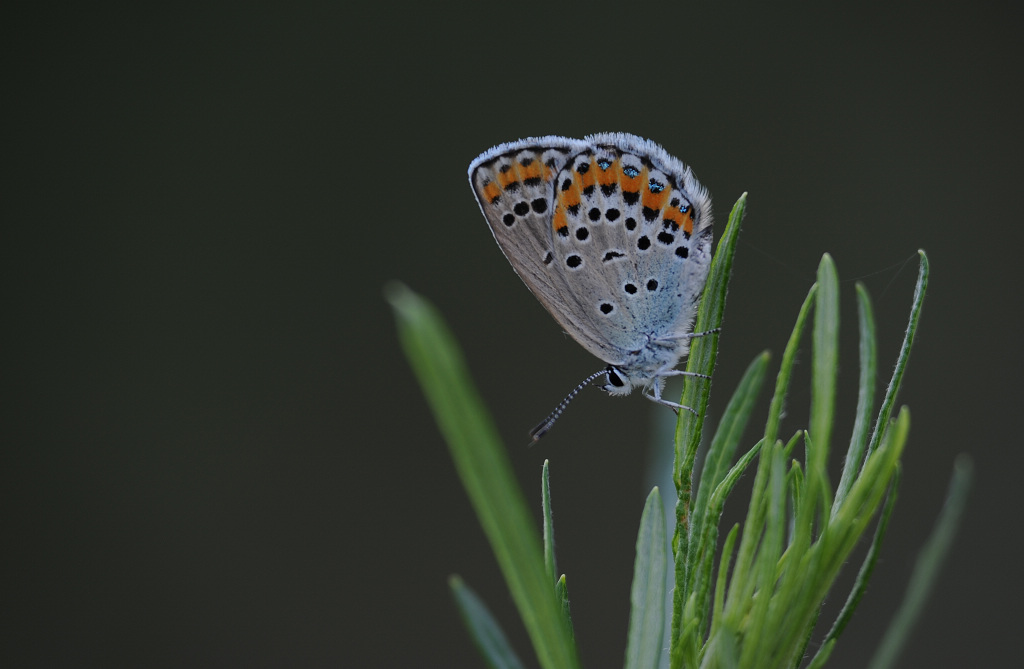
701, 583
901, 361
701, 360
562, 595
866, 568
727, 437
550, 565
865, 396
824, 364
486, 473
866, 493
723, 651
759, 637
483, 628
771, 429
723, 571
927, 568
703, 534
704, 350
647, 596
822, 655
741, 587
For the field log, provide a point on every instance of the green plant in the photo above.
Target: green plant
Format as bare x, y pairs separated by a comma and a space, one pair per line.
774, 570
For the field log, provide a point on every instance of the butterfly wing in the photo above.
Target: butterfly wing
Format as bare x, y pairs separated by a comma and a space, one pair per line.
514, 185
649, 208
633, 235
611, 233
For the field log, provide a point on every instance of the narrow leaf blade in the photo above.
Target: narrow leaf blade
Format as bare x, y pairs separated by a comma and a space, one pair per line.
926, 569
550, 564
824, 363
483, 628
865, 396
486, 473
647, 596
882, 423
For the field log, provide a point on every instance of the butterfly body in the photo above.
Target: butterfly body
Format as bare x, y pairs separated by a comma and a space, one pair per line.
613, 237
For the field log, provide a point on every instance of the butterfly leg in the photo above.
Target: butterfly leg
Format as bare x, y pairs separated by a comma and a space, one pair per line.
690, 335
653, 390
679, 372
653, 393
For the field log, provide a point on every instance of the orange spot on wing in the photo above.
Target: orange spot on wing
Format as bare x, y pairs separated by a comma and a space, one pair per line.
563, 200
656, 200
675, 216
531, 171
632, 184
610, 175
505, 178
688, 223
491, 191
570, 197
558, 220
584, 180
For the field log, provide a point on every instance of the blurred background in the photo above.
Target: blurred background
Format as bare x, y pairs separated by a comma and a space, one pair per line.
213, 452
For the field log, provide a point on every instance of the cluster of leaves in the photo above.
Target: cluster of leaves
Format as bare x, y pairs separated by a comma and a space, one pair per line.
762, 603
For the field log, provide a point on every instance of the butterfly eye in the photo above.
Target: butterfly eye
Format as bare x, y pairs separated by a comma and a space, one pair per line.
614, 378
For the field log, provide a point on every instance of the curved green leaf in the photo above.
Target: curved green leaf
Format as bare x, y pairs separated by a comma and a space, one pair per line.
647, 596
486, 473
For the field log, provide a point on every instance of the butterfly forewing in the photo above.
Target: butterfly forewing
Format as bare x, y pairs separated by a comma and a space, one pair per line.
514, 185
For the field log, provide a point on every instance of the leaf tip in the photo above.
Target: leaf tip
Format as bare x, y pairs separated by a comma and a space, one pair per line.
395, 291
403, 300
924, 258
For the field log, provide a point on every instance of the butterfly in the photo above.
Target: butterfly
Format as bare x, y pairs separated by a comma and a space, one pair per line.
613, 236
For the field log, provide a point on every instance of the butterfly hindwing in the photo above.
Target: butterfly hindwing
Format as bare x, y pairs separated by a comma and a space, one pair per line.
640, 225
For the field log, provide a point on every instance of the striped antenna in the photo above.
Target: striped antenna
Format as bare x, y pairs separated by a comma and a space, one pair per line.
542, 429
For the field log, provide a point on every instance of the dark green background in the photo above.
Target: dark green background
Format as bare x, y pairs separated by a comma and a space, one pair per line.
213, 452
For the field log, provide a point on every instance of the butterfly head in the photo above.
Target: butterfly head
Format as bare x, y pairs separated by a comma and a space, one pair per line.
616, 382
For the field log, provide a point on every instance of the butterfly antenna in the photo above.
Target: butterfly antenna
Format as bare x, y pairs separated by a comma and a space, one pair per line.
545, 425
